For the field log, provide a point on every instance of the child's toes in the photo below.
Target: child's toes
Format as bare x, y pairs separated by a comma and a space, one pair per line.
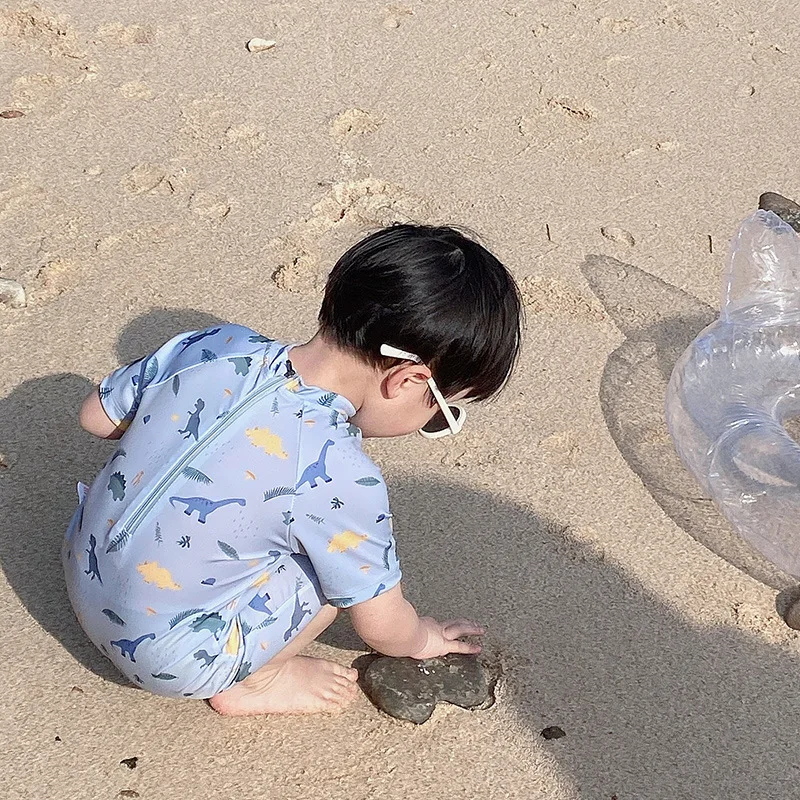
339, 695
350, 688
345, 672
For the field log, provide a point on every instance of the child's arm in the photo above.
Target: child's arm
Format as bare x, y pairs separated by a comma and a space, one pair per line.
94, 419
389, 624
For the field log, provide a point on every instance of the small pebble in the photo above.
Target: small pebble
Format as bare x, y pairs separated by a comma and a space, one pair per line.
12, 113
260, 45
12, 294
618, 235
553, 732
58, 738
391, 22
130, 763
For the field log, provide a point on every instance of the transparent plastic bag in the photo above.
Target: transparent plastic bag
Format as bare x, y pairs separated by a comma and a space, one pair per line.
738, 382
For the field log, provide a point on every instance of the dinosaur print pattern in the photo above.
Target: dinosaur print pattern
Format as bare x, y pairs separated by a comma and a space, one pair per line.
259, 603
127, 647
346, 540
114, 617
193, 425
116, 485
269, 442
203, 506
160, 576
205, 657
300, 611
316, 469
198, 337
241, 365
213, 623
93, 570
189, 593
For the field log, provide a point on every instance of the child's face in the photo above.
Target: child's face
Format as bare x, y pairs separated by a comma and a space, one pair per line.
398, 403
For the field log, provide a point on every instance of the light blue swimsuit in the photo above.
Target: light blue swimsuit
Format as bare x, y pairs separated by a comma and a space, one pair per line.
237, 503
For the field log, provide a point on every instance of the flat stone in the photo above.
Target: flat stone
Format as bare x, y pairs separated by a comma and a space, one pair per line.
409, 689
552, 732
786, 209
12, 294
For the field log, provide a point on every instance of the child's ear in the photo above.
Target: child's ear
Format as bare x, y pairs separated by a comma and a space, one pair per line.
402, 378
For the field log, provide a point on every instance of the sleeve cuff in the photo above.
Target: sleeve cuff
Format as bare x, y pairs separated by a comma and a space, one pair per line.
388, 581
108, 403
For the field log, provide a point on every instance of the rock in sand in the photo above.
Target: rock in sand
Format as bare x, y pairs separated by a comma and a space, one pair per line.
409, 689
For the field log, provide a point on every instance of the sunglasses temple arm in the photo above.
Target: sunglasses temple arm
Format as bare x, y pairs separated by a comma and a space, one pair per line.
448, 414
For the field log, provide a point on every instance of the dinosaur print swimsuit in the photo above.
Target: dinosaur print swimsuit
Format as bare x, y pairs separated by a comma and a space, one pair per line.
237, 503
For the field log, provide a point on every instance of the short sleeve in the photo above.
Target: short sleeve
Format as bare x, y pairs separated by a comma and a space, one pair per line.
345, 528
121, 391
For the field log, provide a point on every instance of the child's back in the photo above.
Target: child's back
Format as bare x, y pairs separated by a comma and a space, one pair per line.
231, 471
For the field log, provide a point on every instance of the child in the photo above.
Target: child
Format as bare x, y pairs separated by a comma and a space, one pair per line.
239, 512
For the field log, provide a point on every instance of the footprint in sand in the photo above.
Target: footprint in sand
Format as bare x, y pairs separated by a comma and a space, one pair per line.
350, 209
155, 179
613, 25
53, 279
35, 28
146, 178
212, 123
141, 237
209, 205
559, 122
122, 35
351, 123
135, 90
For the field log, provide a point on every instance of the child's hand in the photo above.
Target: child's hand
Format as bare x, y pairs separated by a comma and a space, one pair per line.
443, 637
389, 624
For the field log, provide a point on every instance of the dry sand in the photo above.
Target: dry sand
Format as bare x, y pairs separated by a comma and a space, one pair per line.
163, 177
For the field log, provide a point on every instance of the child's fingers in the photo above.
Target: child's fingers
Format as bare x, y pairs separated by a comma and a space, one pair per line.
457, 646
455, 628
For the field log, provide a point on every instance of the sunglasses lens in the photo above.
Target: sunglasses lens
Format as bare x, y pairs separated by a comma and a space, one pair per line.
438, 423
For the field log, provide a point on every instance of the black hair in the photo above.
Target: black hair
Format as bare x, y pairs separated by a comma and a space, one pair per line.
431, 291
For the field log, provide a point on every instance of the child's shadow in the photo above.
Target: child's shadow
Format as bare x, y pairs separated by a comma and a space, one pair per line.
47, 453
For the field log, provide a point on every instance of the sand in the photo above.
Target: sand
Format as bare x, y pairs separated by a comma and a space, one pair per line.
162, 177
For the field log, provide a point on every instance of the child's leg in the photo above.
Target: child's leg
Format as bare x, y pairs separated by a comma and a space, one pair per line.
291, 683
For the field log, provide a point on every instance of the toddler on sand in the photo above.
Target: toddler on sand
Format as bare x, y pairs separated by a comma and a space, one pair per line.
239, 512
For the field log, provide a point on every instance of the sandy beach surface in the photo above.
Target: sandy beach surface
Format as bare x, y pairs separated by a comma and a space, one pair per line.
161, 177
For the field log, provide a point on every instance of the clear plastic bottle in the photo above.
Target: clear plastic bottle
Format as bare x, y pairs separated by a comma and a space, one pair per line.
738, 382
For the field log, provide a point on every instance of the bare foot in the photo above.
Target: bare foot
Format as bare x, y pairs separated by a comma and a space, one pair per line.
300, 685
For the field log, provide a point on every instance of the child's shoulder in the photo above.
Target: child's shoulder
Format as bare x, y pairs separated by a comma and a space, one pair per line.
221, 341
225, 338
338, 455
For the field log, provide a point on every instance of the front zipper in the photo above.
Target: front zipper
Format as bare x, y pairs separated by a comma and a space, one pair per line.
146, 506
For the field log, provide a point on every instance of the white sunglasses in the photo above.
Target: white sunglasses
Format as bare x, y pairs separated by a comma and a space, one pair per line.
450, 418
